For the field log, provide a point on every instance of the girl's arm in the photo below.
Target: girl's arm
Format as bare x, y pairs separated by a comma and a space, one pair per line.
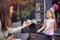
51, 25
42, 27
13, 30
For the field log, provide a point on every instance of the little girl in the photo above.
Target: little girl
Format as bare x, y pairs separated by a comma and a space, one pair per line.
49, 25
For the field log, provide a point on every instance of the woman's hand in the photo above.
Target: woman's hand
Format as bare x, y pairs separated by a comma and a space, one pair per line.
25, 24
11, 37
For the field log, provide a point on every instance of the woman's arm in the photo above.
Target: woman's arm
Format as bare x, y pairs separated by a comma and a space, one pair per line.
13, 30
42, 27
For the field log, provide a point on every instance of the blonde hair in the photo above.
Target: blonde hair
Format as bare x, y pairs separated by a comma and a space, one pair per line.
53, 16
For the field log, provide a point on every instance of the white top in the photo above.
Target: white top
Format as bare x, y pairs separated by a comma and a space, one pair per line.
10, 30
48, 23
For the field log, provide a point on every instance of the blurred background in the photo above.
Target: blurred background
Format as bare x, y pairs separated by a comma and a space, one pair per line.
33, 9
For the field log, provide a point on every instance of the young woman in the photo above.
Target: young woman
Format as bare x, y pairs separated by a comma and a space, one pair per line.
6, 10
49, 25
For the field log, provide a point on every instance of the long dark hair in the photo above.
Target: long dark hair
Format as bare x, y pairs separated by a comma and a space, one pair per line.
5, 14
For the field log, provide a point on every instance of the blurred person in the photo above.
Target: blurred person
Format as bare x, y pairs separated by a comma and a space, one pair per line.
6, 10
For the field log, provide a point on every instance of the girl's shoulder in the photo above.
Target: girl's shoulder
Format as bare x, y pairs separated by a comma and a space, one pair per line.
52, 20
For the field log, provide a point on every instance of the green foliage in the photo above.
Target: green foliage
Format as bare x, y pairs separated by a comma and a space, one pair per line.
26, 12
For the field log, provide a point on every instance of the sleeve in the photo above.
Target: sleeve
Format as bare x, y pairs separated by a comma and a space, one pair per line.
44, 20
14, 30
53, 20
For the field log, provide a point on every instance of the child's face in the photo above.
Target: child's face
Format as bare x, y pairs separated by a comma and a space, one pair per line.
49, 15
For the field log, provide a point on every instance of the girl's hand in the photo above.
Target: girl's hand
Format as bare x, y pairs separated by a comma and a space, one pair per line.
44, 31
38, 31
10, 38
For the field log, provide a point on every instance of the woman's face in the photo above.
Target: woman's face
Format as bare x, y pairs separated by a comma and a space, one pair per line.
48, 14
11, 10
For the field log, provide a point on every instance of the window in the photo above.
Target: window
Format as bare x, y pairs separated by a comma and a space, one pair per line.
39, 14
